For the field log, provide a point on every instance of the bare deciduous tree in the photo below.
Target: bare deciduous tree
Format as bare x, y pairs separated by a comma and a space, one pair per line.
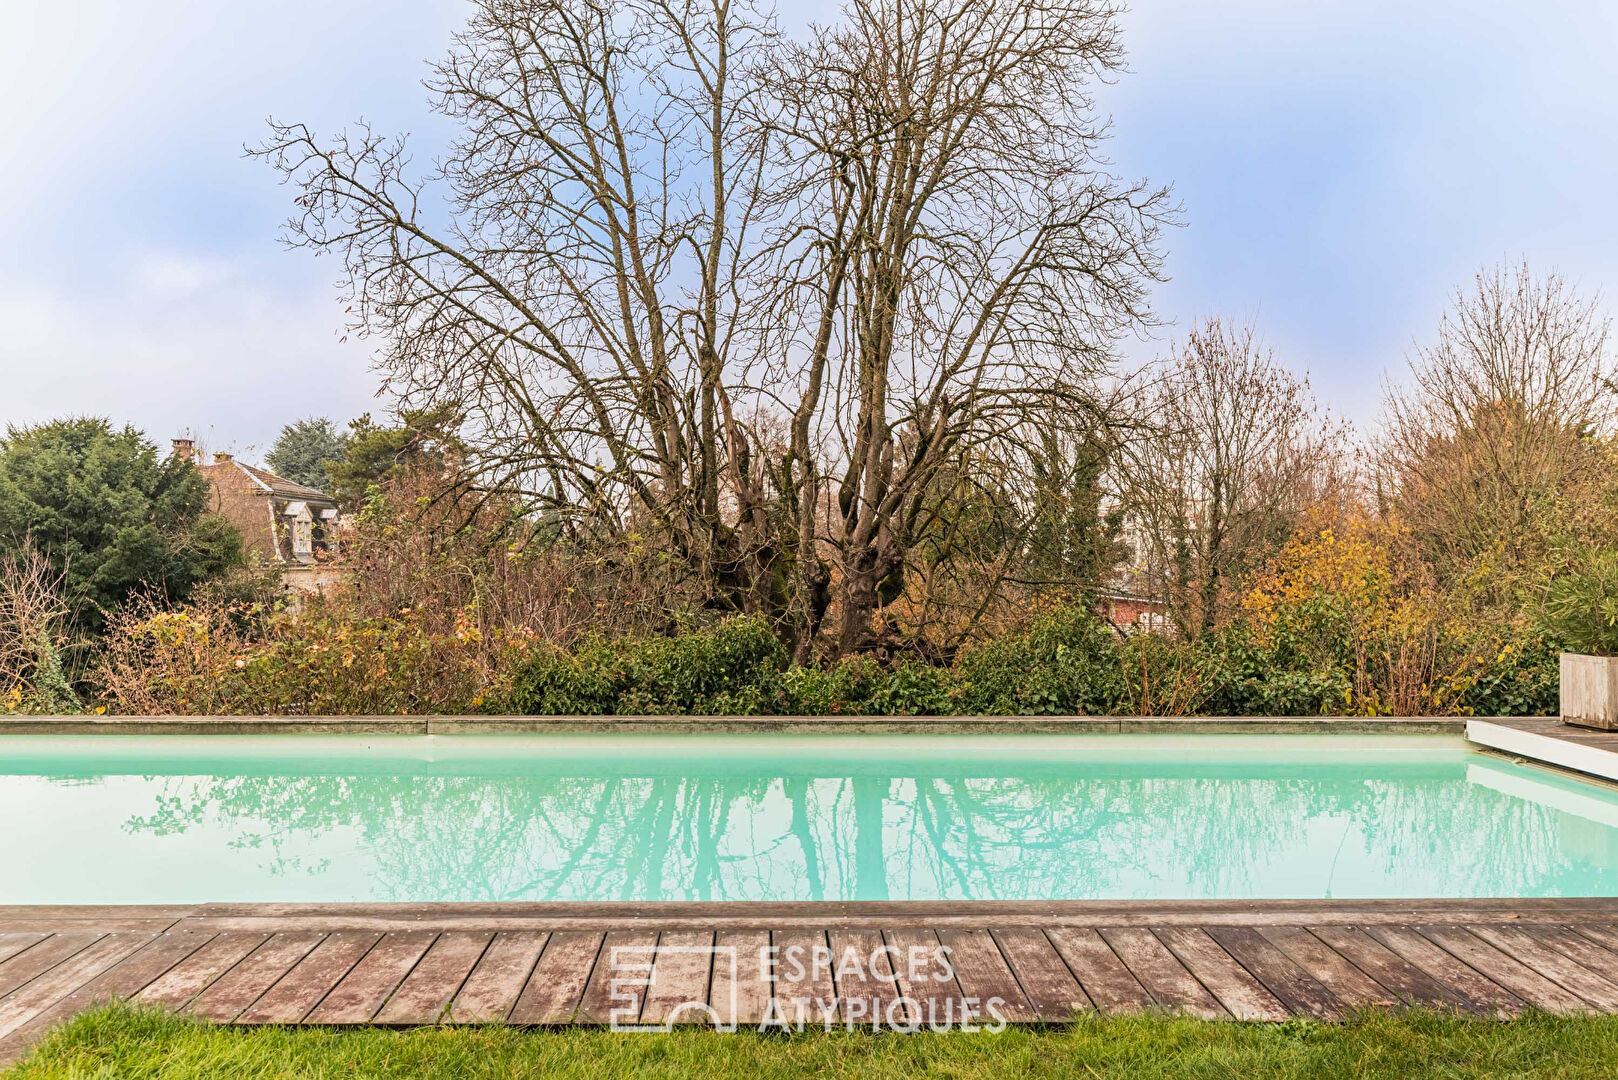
1236, 450
971, 262
1491, 447
752, 297
575, 302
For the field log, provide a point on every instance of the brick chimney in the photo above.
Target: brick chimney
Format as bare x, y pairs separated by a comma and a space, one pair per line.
184, 449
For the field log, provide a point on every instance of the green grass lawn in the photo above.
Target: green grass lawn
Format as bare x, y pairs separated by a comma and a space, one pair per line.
121, 1042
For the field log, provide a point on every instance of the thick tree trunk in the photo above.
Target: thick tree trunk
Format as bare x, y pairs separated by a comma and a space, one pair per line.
858, 609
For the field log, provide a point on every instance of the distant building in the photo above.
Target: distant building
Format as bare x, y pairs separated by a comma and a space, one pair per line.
282, 523
1131, 611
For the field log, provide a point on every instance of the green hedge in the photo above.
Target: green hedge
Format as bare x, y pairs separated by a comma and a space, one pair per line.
1065, 663
734, 669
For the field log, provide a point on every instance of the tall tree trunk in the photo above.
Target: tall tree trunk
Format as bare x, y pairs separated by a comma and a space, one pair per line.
1211, 570
858, 609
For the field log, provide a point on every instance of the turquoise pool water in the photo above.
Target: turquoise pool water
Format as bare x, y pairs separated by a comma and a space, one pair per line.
172, 819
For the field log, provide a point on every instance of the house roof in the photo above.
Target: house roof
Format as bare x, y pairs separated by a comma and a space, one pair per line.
282, 487
1129, 597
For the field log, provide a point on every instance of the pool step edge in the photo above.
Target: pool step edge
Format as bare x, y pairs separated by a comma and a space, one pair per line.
1540, 740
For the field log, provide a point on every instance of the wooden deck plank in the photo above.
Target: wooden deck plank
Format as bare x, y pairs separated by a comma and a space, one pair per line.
1044, 977
359, 995
1599, 959
122, 980
924, 974
101, 918
15, 942
1510, 973
984, 975
1157, 969
58, 926
552, 993
1407, 982
681, 972
425, 994
1300, 992
1595, 909
1105, 979
45, 955
230, 994
1531, 949
867, 985
805, 992
496, 982
1465, 982
1328, 967
617, 986
1242, 995
137, 970
743, 915
185, 980
741, 995
1604, 935
920, 912
301, 989
45, 990
1043, 969
98, 913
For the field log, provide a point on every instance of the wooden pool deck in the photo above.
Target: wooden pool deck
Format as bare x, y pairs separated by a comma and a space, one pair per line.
551, 964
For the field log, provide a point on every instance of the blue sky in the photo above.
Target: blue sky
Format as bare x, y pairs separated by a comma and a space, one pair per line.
1343, 164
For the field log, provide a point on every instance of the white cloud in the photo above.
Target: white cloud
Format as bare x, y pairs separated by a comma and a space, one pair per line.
178, 275
1344, 163
220, 358
140, 278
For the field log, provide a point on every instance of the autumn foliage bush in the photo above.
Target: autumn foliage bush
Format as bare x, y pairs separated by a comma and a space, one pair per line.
1338, 623
233, 658
1343, 620
1341, 643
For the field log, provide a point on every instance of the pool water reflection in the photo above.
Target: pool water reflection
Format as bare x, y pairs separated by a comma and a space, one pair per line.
325, 818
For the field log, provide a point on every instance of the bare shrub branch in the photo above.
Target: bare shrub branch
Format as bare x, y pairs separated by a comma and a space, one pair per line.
35, 619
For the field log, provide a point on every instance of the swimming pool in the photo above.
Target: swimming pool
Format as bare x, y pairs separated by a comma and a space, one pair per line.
160, 819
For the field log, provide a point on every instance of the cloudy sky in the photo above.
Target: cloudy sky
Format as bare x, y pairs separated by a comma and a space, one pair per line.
1343, 164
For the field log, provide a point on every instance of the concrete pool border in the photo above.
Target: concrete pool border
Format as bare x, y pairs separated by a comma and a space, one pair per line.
731, 725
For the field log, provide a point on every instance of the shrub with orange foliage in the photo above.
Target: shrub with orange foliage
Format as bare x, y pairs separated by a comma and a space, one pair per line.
222, 658
1354, 597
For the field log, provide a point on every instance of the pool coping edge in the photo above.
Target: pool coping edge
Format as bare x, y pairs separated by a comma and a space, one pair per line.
746, 914
729, 725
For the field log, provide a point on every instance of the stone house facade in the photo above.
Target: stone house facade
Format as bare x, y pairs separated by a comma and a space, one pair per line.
282, 523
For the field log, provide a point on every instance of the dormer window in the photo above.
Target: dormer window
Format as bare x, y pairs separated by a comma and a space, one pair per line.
303, 536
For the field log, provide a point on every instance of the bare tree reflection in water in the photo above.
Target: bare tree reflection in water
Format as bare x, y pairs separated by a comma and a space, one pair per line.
904, 836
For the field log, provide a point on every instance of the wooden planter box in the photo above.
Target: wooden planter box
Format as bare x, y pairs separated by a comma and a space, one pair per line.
1590, 690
